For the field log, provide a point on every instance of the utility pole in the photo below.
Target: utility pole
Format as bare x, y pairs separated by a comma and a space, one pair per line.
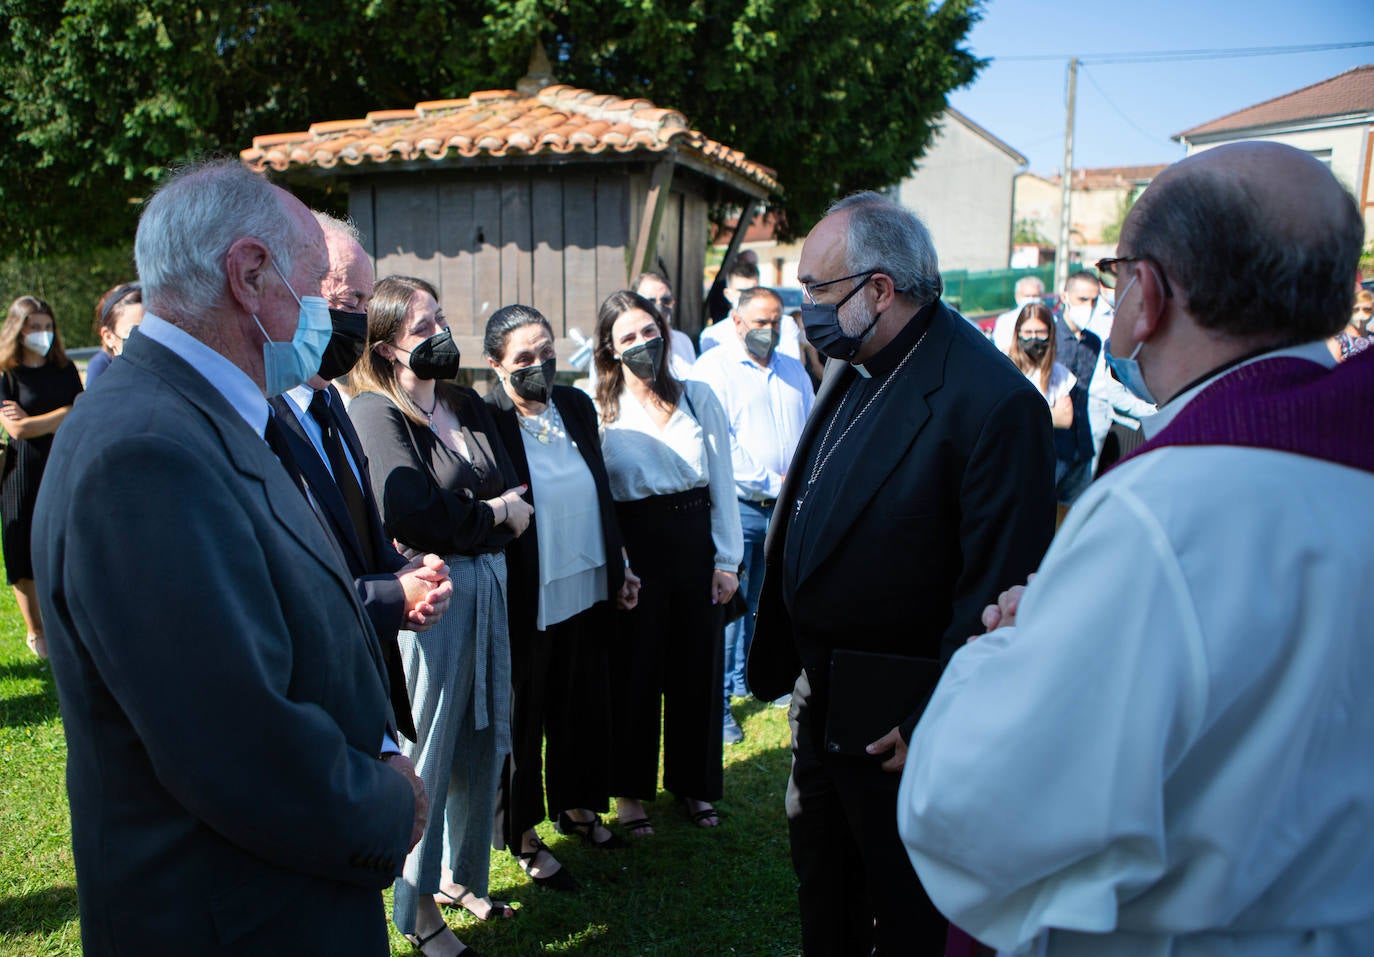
1061, 253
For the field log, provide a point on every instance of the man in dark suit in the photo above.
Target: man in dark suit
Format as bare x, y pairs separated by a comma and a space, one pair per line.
221, 686
923, 484
1077, 349
332, 470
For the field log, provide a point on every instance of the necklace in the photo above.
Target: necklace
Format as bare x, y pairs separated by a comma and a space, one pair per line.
429, 413
544, 427
824, 457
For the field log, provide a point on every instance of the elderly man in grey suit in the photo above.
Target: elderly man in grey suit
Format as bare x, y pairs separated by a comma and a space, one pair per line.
221, 686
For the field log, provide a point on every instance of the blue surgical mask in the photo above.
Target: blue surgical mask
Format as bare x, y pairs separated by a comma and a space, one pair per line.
286, 365
39, 342
1127, 370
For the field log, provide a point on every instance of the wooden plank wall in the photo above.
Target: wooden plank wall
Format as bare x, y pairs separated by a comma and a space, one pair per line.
681, 251
553, 239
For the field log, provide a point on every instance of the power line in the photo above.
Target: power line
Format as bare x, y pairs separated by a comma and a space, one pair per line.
1171, 56
1129, 122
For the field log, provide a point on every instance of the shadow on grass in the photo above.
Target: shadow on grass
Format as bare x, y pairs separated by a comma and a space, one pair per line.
685, 891
41, 912
29, 668
38, 707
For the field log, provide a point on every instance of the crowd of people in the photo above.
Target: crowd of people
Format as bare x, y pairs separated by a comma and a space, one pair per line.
338, 637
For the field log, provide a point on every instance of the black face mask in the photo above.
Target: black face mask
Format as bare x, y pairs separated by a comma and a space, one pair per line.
435, 358
823, 330
1034, 348
534, 383
643, 359
345, 345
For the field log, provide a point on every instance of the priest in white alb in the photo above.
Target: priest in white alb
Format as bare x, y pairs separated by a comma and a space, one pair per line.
1165, 746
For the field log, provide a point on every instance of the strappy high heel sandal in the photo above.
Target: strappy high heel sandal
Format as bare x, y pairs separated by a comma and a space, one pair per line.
567, 824
559, 880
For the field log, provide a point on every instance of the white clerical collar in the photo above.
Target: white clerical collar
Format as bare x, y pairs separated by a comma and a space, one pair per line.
1152, 425
859, 368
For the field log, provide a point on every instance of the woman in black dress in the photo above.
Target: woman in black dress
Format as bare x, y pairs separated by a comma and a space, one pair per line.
38, 385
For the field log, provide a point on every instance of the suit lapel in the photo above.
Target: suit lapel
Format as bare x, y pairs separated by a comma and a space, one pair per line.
508, 427
386, 559
321, 484
879, 443
247, 453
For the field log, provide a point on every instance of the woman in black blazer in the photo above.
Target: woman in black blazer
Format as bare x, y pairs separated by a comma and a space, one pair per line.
564, 574
445, 485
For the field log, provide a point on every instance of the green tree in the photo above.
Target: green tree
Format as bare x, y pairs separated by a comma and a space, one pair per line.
1027, 232
103, 94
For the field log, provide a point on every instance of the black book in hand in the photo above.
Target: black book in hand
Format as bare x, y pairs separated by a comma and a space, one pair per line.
870, 694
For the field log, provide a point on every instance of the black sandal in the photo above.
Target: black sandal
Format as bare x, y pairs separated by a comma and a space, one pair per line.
586, 830
497, 910
418, 942
559, 880
699, 818
641, 824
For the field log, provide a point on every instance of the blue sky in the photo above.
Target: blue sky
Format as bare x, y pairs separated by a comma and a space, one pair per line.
1128, 112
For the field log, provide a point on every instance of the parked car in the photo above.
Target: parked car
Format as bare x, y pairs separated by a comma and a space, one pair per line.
791, 299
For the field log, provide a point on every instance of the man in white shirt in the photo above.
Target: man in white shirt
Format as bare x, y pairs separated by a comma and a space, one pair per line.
767, 397
1175, 760
743, 274
1028, 289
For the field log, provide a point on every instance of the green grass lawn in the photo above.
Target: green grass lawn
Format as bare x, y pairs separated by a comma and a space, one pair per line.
686, 890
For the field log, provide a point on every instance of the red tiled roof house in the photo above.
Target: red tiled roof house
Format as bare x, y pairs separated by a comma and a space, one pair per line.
547, 195
1333, 120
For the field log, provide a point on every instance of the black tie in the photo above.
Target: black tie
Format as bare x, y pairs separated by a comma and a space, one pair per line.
343, 473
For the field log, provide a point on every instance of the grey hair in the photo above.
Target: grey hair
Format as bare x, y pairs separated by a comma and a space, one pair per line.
886, 238
189, 224
1243, 270
340, 227
1026, 282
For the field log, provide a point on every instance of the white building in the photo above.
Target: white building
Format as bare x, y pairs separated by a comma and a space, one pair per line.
963, 189
1333, 120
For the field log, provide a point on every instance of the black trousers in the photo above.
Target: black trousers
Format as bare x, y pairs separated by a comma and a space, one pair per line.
858, 892
560, 698
668, 653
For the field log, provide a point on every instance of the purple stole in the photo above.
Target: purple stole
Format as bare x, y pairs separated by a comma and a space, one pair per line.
1286, 404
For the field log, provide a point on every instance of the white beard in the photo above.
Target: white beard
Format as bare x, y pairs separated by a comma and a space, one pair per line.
854, 317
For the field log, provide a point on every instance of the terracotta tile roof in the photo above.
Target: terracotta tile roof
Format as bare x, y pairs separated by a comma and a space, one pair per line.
1108, 177
556, 120
1111, 177
1350, 92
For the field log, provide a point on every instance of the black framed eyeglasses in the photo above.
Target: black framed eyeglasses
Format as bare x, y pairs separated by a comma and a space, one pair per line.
809, 288
1106, 270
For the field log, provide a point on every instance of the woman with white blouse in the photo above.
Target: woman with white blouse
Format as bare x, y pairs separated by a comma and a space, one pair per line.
666, 445
565, 575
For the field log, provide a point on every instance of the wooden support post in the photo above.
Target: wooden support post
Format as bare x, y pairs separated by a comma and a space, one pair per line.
746, 217
646, 243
